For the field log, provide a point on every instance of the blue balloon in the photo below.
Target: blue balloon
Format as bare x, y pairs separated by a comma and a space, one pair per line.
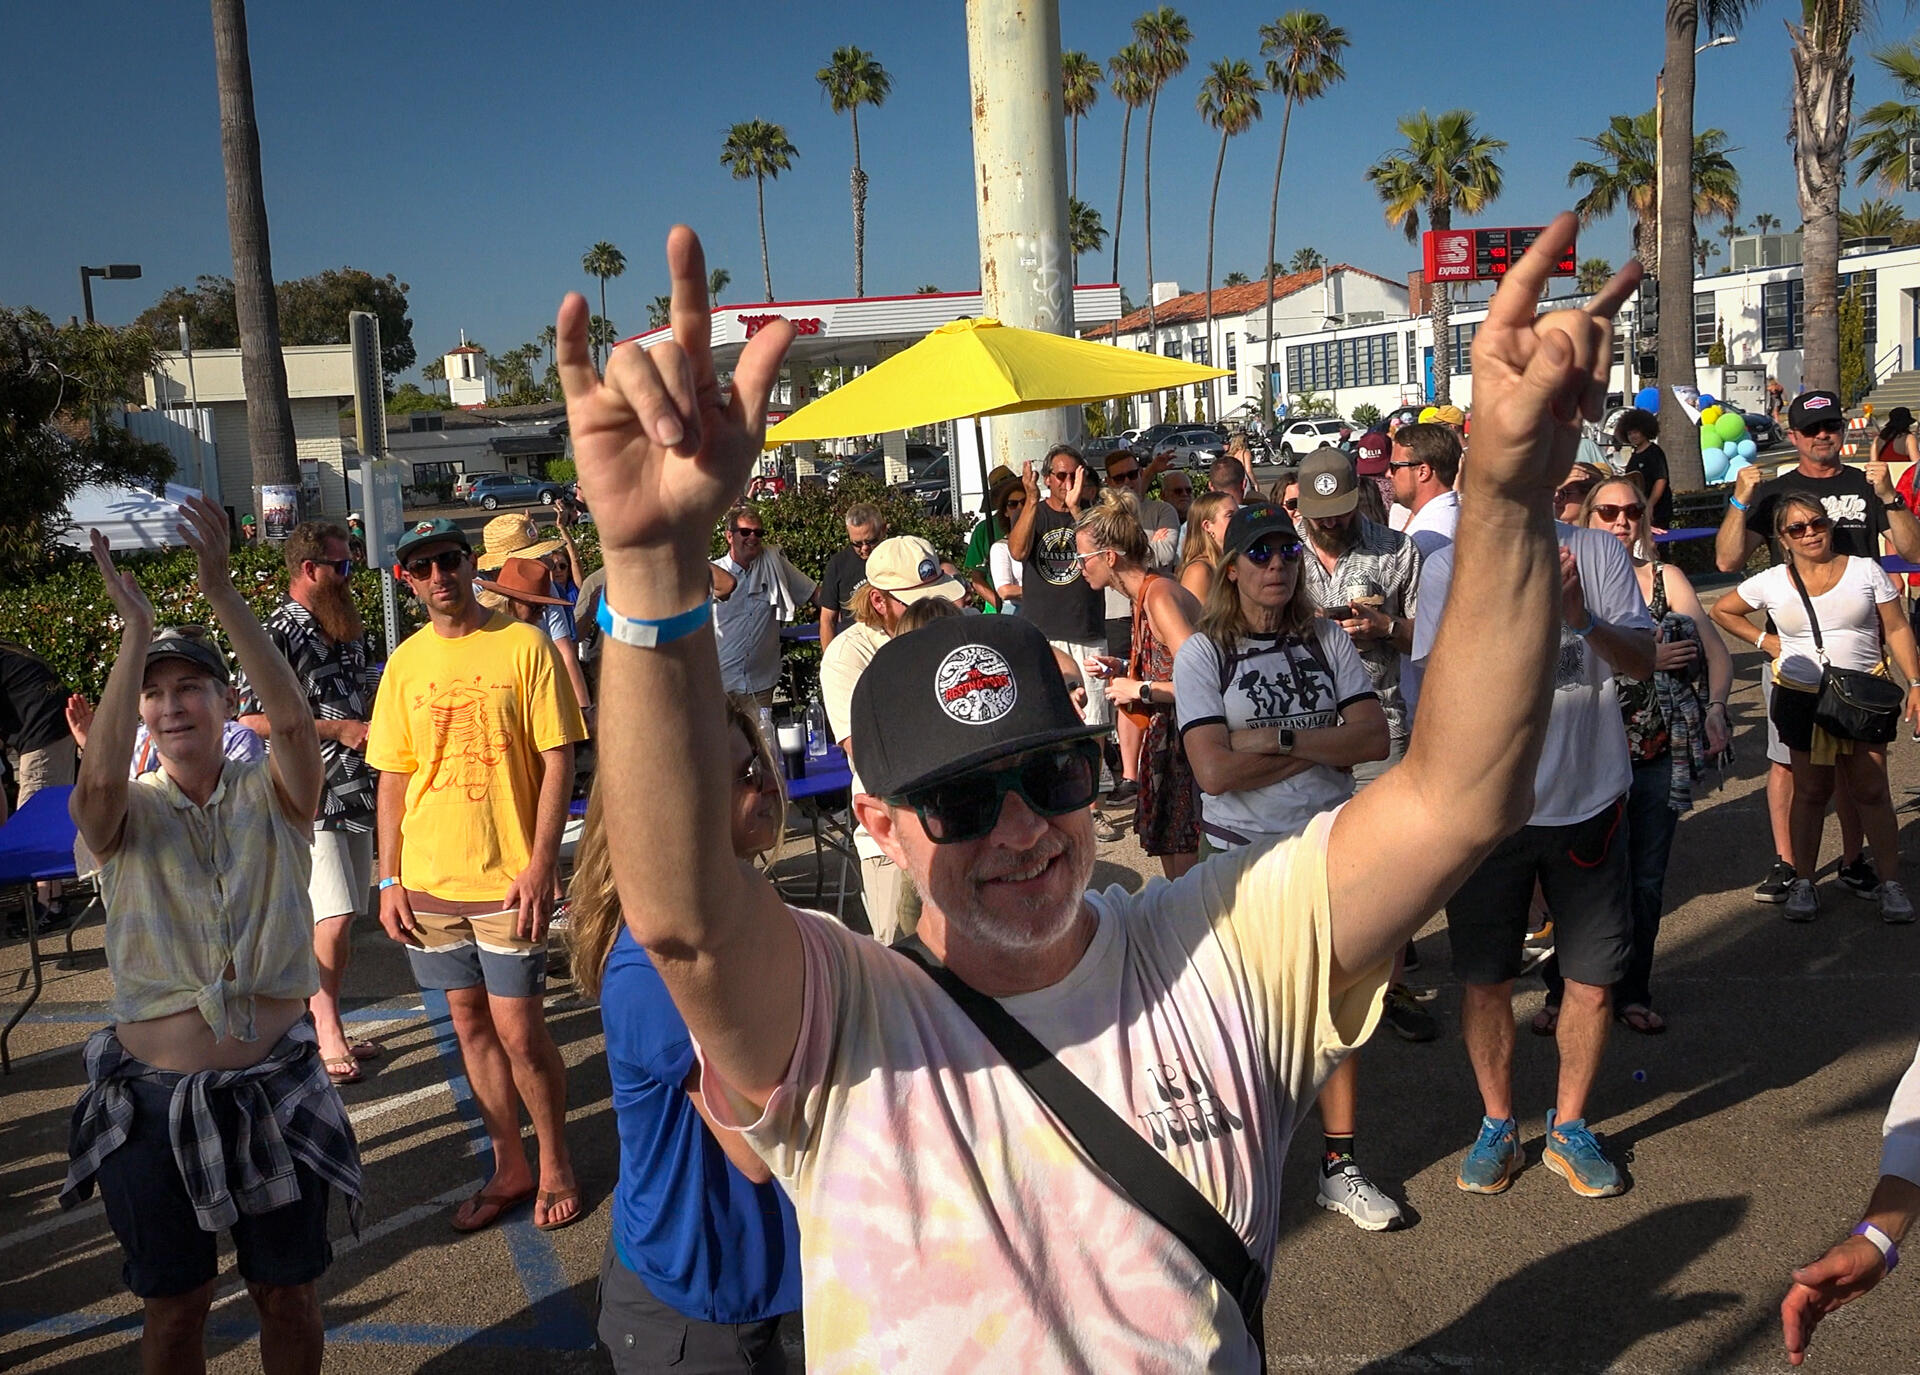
1733, 468
1747, 448
1648, 399
1715, 463
1706, 401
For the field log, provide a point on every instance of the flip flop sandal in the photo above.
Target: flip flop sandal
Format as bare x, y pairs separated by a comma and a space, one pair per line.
484, 1209
343, 1071
1546, 1022
365, 1050
551, 1197
1640, 1018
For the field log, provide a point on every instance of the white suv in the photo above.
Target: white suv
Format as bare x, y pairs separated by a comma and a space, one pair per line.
1299, 438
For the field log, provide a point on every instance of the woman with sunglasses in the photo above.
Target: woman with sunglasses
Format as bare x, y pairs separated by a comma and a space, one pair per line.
1207, 521
1573, 491
1275, 709
704, 1252
1675, 723
1858, 609
1010, 499
1114, 553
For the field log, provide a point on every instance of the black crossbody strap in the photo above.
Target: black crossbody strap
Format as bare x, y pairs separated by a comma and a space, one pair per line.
1819, 646
1142, 1173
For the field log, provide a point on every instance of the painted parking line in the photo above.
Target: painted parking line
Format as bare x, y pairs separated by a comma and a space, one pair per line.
96, 1012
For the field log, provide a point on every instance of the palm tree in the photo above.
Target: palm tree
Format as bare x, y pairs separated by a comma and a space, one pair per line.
929, 289
1874, 219
434, 373
1127, 76
263, 368
1085, 233
1230, 102
1884, 130
1303, 51
1731, 231
602, 334
852, 79
718, 281
1703, 250
603, 260
1763, 223
759, 150
1164, 33
1822, 106
1306, 260
1594, 273
1627, 173
1679, 437
1079, 89
659, 312
1235, 278
1445, 165
548, 338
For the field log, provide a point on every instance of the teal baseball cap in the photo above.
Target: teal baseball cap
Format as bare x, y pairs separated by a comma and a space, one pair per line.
429, 532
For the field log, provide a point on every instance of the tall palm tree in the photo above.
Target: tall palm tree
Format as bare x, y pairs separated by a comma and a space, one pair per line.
603, 260
1627, 173
1236, 278
1704, 250
434, 374
1822, 106
1085, 233
1164, 33
1230, 102
548, 338
1594, 273
1679, 437
1446, 165
718, 281
263, 368
1303, 50
1731, 231
659, 311
1127, 75
1079, 89
852, 79
1763, 223
1306, 260
1872, 219
759, 149
928, 289
1881, 144
602, 334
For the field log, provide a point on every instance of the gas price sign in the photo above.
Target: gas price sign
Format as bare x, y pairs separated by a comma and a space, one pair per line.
1469, 255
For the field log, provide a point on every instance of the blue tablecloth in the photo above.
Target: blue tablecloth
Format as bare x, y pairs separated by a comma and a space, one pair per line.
37, 841
1669, 536
808, 632
828, 775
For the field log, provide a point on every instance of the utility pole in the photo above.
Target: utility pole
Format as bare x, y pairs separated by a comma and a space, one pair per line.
1020, 186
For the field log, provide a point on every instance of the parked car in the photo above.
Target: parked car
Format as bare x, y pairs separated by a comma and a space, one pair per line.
930, 484
1298, 438
463, 485
873, 463
1193, 446
1096, 450
492, 490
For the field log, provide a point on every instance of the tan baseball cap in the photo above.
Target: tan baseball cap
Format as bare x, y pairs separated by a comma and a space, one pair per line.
908, 568
1328, 485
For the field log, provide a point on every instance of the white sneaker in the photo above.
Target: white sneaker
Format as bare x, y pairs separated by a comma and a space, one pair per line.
1803, 904
1895, 906
1348, 1191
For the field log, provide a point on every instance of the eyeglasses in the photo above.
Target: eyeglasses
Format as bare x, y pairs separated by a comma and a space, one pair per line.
1410, 463
1608, 512
1801, 528
1090, 554
1055, 476
1825, 427
1054, 783
447, 561
344, 567
861, 543
1291, 503
747, 532
1262, 552
1573, 491
757, 774
1127, 476
1019, 504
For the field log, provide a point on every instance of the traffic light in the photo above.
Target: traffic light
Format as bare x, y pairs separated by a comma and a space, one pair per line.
1913, 163
1649, 306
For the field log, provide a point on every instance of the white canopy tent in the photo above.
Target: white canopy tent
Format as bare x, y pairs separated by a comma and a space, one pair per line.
130, 517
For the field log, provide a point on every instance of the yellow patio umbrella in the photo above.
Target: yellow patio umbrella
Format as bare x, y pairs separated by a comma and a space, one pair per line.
981, 367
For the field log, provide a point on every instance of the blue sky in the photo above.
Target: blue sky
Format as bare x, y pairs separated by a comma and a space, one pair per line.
475, 151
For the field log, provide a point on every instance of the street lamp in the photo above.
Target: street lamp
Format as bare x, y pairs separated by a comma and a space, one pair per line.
1659, 123
113, 272
1719, 42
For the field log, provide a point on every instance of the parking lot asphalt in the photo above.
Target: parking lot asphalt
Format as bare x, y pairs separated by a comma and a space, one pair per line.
1751, 1132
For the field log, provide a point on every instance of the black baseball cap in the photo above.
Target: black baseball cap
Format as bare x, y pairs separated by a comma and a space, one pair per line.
1253, 522
1814, 408
957, 694
195, 644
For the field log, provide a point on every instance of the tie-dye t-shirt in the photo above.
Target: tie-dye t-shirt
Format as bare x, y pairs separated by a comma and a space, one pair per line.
947, 1222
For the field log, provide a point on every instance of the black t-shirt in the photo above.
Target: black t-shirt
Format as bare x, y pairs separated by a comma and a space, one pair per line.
1650, 465
33, 700
1859, 517
846, 570
1053, 594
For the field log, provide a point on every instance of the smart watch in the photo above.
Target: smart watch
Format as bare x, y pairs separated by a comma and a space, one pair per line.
1146, 694
1286, 740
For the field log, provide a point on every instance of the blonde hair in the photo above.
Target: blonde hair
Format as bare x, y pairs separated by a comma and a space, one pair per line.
1223, 619
1641, 540
594, 918
1201, 546
1114, 522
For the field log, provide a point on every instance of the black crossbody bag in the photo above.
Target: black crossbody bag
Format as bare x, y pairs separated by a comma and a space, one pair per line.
1853, 705
1143, 1174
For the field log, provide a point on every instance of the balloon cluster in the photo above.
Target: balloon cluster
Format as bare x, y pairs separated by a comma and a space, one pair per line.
1725, 445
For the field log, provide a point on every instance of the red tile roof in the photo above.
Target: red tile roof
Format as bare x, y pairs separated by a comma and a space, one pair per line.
1227, 300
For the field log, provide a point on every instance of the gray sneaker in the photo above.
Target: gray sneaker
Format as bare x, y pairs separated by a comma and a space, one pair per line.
1803, 904
1348, 1191
1896, 907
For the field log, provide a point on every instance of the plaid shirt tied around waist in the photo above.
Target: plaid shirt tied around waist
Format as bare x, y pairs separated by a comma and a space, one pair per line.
286, 1110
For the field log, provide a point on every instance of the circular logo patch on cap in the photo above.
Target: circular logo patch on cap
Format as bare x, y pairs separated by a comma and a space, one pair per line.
975, 685
1326, 485
929, 570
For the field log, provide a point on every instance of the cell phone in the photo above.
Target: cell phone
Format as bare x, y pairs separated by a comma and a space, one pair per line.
1342, 612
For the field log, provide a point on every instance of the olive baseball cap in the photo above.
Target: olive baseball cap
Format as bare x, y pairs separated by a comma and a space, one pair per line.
1328, 485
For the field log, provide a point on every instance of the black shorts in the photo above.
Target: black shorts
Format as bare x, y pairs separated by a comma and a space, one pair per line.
152, 1215
1791, 712
1120, 637
1582, 870
642, 1334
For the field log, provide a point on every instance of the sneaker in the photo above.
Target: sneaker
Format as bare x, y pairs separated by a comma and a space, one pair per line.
1536, 950
1126, 790
1803, 904
1409, 1020
1348, 1191
1773, 888
1490, 1166
1573, 1154
1103, 829
1895, 906
1859, 877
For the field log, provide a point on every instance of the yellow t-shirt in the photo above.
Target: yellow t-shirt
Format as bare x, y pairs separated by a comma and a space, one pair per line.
467, 718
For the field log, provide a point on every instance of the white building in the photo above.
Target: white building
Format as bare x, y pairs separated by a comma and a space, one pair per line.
469, 381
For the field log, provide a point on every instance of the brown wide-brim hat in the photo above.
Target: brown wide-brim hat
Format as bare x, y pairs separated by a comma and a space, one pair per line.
524, 580
509, 537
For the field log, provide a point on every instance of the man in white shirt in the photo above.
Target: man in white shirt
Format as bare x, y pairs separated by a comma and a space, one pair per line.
1573, 846
1423, 469
900, 571
767, 590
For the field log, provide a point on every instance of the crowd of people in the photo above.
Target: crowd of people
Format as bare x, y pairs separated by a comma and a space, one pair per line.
962, 1099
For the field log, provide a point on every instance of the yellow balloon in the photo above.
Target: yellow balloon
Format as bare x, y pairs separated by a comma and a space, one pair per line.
1710, 414
1428, 415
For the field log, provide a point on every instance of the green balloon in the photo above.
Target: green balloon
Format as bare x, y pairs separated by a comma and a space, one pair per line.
1731, 425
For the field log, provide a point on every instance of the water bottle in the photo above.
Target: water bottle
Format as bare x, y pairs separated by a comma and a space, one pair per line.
819, 738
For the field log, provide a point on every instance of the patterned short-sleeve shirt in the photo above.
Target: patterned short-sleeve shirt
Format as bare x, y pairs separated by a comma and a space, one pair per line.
334, 676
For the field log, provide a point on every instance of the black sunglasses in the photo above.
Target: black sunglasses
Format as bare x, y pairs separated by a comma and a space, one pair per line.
1801, 527
1262, 552
1825, 427
447, 561
344, 567
1410, 463
747, 532
1052, 783
1127, 476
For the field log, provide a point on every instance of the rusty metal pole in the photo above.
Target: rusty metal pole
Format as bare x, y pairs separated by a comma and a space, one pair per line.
1020, 186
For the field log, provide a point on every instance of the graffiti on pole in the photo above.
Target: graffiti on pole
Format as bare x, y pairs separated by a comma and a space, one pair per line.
1041, 257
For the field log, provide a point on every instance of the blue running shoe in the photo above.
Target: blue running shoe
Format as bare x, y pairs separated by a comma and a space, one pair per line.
1490, 1165
1573, 1154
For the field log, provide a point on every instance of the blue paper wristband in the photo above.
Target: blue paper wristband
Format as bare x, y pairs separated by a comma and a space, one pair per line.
653, 634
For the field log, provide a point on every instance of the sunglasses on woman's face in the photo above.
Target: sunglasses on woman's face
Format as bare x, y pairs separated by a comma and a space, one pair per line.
1261, 552
1053, 783
1573, 491
1801, 528
1610, 513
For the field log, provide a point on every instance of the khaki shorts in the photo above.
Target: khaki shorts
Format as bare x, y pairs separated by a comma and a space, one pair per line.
467, 948
342, 873
51, 766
